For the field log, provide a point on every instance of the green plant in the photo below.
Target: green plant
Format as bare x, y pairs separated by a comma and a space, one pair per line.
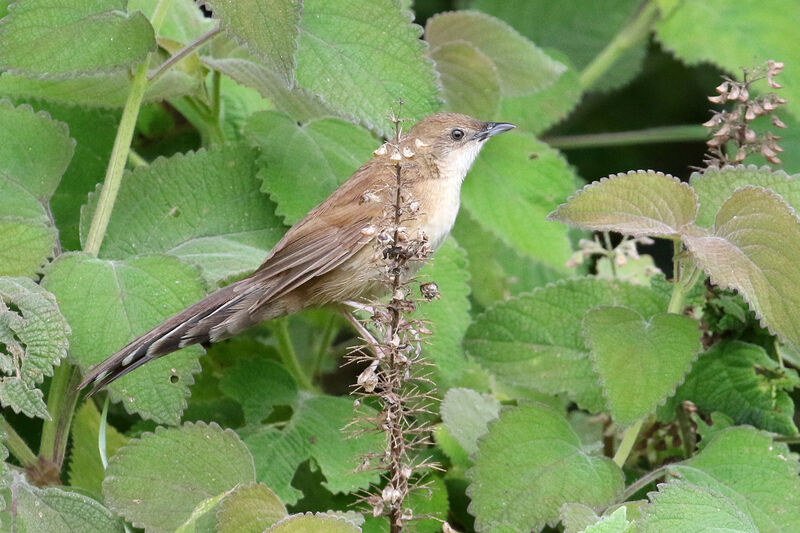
153, 150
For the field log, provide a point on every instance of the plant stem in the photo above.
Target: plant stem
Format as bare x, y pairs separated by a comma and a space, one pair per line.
61, 402
215, 117
136, 160
610, 250
662, 134
175, 59
627, 38
280, 328
101, 434
688, 438
328, 334
628, 440
642, 482
17, 446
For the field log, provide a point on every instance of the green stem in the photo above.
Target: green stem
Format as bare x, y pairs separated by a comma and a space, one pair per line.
661, 134
101, 434
280, 328
627, 38
135, 160
328, 334
61, 402
688, 438
610, 255
215, 117
188, 49
628, 440
17, 446
642, 482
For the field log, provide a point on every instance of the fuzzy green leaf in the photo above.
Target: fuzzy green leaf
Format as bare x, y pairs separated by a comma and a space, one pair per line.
637, 203
40, 42
156, 481
276, 455
640, 362
448, 317
616, 522
249, 509
531, 463
754, 249
743, 34
184, 21
25, 246
742, 381
758, 475
522, 68
258, 384
100, 90
190, 205
86, 469
33, 340
366, 77
469, 79
54, 510
306, 523
535, 340
679, 506
331, 149
268, 29
714, 186
466, 415
108, 303
514, 183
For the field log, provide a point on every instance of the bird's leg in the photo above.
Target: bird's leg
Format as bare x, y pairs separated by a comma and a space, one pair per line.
368, 337
359, 306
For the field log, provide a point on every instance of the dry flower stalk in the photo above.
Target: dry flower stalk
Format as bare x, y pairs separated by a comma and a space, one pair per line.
395, 370
734, 125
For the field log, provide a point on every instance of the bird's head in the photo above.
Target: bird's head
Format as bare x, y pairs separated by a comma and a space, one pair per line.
453, 140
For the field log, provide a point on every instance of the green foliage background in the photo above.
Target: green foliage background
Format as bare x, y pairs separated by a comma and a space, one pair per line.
133, 183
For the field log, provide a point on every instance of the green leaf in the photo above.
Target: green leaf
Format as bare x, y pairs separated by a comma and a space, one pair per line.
40, 42
733, 36
33, 340
306, 523
249, 509
758, 475
470, 82
99, 90
616, 522
203, 517
529, 464
366, 77
679, 506
276, 455
535, 340
714, 186
496, 270
295, 102
24, 246
184, 21
108, 303
332, 150
268, 29
575, 517
466, 415
754, 249
156, 481
258, 384
54, 510
522, 68
637, 203
86, 470
742, 381
448, 317
196, 204
514, 183
640, 361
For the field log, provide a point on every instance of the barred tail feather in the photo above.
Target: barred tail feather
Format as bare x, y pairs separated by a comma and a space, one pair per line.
202, 322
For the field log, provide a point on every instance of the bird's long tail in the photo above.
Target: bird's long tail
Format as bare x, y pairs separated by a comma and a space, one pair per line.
213, 318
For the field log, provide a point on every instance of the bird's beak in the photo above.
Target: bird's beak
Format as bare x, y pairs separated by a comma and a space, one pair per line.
493, 128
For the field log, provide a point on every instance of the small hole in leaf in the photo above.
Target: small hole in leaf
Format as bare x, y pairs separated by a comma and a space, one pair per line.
175, 212
173, 378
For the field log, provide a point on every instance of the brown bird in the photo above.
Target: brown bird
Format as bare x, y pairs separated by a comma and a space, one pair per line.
326, 258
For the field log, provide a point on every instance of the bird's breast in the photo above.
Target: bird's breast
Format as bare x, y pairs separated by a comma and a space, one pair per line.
439, 201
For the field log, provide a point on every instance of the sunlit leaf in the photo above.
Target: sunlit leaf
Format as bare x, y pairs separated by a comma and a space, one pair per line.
637, 203
466, 415
469, 79
249, 509
305, 523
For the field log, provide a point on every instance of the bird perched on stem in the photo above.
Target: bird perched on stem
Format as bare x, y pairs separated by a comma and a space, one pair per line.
325, 258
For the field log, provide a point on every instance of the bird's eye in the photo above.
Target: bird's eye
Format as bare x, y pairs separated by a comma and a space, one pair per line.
457, 134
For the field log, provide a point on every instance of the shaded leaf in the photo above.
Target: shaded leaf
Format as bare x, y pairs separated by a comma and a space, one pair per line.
637, 203
466, 415
268, 29
529, 464
535, 340
754, 249
249, 509
38, 41
108, 303
86, 470
156, 481
276, 455
522, 67
640, 361
258, 384
469, 79
332, 150
385, 64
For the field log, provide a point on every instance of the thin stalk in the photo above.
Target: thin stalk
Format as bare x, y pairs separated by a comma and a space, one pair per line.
101, 435
661, 134
135, 160
325, 340
17, 446
289, 355
642, 482
610, 255
61, 402
688, 438
215, 116
628, 440
182, 53
631, 35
